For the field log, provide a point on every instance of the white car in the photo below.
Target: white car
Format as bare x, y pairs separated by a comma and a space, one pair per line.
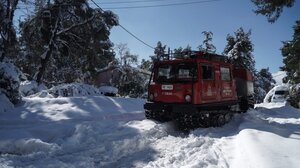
280, 95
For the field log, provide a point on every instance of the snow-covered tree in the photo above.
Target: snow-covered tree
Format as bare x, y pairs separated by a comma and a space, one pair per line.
266, 78
291, 56
263, 83
177, 52
131, 82
9, 73
182, 52
272, 8
8, 38
10, 77
291, 59
207, 46
239, 50
125, 57
146, 65
160, 51
69, 40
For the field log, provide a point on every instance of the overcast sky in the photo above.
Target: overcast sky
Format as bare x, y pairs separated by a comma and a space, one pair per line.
183, 25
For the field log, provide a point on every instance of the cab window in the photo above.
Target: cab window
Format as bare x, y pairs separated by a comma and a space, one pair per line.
225, 73
207, 72
182, 72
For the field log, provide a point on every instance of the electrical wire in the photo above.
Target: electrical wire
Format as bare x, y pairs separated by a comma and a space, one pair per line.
144, 6
127, 29
129, 2
162, 5
280, 74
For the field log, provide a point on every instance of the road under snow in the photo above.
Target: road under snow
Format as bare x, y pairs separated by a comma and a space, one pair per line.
109, 132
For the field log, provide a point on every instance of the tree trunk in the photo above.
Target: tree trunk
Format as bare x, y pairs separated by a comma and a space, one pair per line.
44, 62
7, 28
47, 54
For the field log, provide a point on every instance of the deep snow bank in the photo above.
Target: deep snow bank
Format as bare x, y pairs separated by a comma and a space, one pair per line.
269, 136
98, 131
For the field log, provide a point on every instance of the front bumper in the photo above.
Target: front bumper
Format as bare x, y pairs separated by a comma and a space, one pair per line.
170, 108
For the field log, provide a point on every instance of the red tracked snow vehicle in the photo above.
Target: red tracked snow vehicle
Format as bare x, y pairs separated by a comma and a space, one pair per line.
201, 90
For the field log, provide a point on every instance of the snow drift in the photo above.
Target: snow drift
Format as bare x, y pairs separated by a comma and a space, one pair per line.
99, 131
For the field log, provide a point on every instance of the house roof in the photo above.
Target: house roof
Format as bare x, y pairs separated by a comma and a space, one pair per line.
117, 67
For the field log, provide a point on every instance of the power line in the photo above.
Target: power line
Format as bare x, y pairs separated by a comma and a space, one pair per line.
128, 2
280, 74
126, 29
136, 37
146, 6
163, 5
141, 6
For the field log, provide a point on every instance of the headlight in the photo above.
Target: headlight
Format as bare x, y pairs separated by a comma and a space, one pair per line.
151, 96
188, 98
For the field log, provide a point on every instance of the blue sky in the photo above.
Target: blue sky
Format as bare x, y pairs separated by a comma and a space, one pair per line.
177, 26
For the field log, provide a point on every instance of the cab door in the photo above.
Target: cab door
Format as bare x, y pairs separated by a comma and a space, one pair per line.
226, 83
208, 90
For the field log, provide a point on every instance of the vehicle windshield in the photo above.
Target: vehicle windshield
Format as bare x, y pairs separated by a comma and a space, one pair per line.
182, 72
280, 92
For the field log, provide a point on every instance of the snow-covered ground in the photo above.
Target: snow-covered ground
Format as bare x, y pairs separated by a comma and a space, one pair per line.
99, 131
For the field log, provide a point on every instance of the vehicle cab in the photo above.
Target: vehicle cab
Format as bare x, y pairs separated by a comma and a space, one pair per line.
202, 81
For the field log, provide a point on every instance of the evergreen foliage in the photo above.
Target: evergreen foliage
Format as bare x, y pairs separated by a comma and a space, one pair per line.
8, 39
263, 83
182, 52
9, 74
131, 81
146, 65
239, 50
207, 46
10, 77
68, 41
294, 97
291, 59
291, 56
266, 79
272, 8
159, 51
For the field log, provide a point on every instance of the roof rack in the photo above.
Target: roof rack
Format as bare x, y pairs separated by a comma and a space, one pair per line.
214, 57
191, 55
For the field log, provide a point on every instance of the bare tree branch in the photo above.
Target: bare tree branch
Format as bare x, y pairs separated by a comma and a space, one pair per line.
75, 26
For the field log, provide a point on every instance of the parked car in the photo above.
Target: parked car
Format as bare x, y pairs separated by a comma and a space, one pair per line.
108, 91
280, 94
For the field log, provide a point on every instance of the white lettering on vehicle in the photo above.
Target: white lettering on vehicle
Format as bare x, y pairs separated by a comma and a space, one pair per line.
209, 91
166, 87
167, 93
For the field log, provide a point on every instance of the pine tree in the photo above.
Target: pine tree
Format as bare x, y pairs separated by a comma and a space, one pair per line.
178, 52
207, 46
291, 56
182, 52
131, 82
10, 75
8, 37
70, 40
159, 51
263, 83
267, 79
239, 50
272, 8
291, 59
146, 65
